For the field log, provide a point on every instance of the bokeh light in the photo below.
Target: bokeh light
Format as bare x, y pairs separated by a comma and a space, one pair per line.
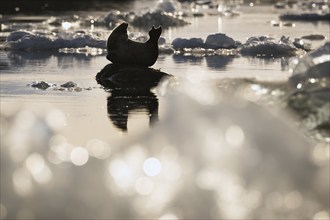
22, 182
152, 166
79, 156
234, 135
38, 168
56, 119
144, 186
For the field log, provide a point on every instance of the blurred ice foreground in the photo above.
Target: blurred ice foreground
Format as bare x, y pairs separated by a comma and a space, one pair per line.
209, 158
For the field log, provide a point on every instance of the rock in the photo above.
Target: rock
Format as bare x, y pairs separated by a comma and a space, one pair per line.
41, 85
69, 84
219, 40
314, 37
130, 78
301, 44
306, 17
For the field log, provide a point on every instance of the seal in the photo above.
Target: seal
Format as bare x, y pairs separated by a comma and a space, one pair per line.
122, 50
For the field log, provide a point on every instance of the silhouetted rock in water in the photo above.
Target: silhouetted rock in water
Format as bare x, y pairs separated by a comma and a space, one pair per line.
129, 87
311, 83
122, 50
306, 17
41, 85
313, 37
124, 77
69, 84
301, 44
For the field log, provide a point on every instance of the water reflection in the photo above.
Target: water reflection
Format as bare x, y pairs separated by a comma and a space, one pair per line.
130, 92
218, 61
212, 61
21, 59
187, 58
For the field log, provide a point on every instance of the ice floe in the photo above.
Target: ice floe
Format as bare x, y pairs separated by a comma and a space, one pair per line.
268, 47
158, 18
213, 41
219, 40
25, 40
311, 83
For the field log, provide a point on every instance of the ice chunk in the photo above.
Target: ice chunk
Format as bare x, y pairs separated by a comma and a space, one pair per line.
311, 81
180, 43
219, 40
23, 40
268, 47
158, 18
313, 65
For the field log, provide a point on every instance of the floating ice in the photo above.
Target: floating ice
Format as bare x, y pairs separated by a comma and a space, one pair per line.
158, 18
313, 65
311, 79
213, 41
166, 6
180, 43
25, 40
268, 47
219, 40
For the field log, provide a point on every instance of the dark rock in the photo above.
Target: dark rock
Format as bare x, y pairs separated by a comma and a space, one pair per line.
41, 85
314, 37
306, 17
69, 84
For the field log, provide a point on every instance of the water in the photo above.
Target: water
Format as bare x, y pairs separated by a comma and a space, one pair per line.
66, 154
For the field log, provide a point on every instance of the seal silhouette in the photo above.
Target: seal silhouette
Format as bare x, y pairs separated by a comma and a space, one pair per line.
122, 50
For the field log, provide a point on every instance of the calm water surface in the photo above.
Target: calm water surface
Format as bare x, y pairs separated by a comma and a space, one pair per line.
22, 68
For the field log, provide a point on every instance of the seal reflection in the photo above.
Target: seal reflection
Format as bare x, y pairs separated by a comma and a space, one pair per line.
130, 91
